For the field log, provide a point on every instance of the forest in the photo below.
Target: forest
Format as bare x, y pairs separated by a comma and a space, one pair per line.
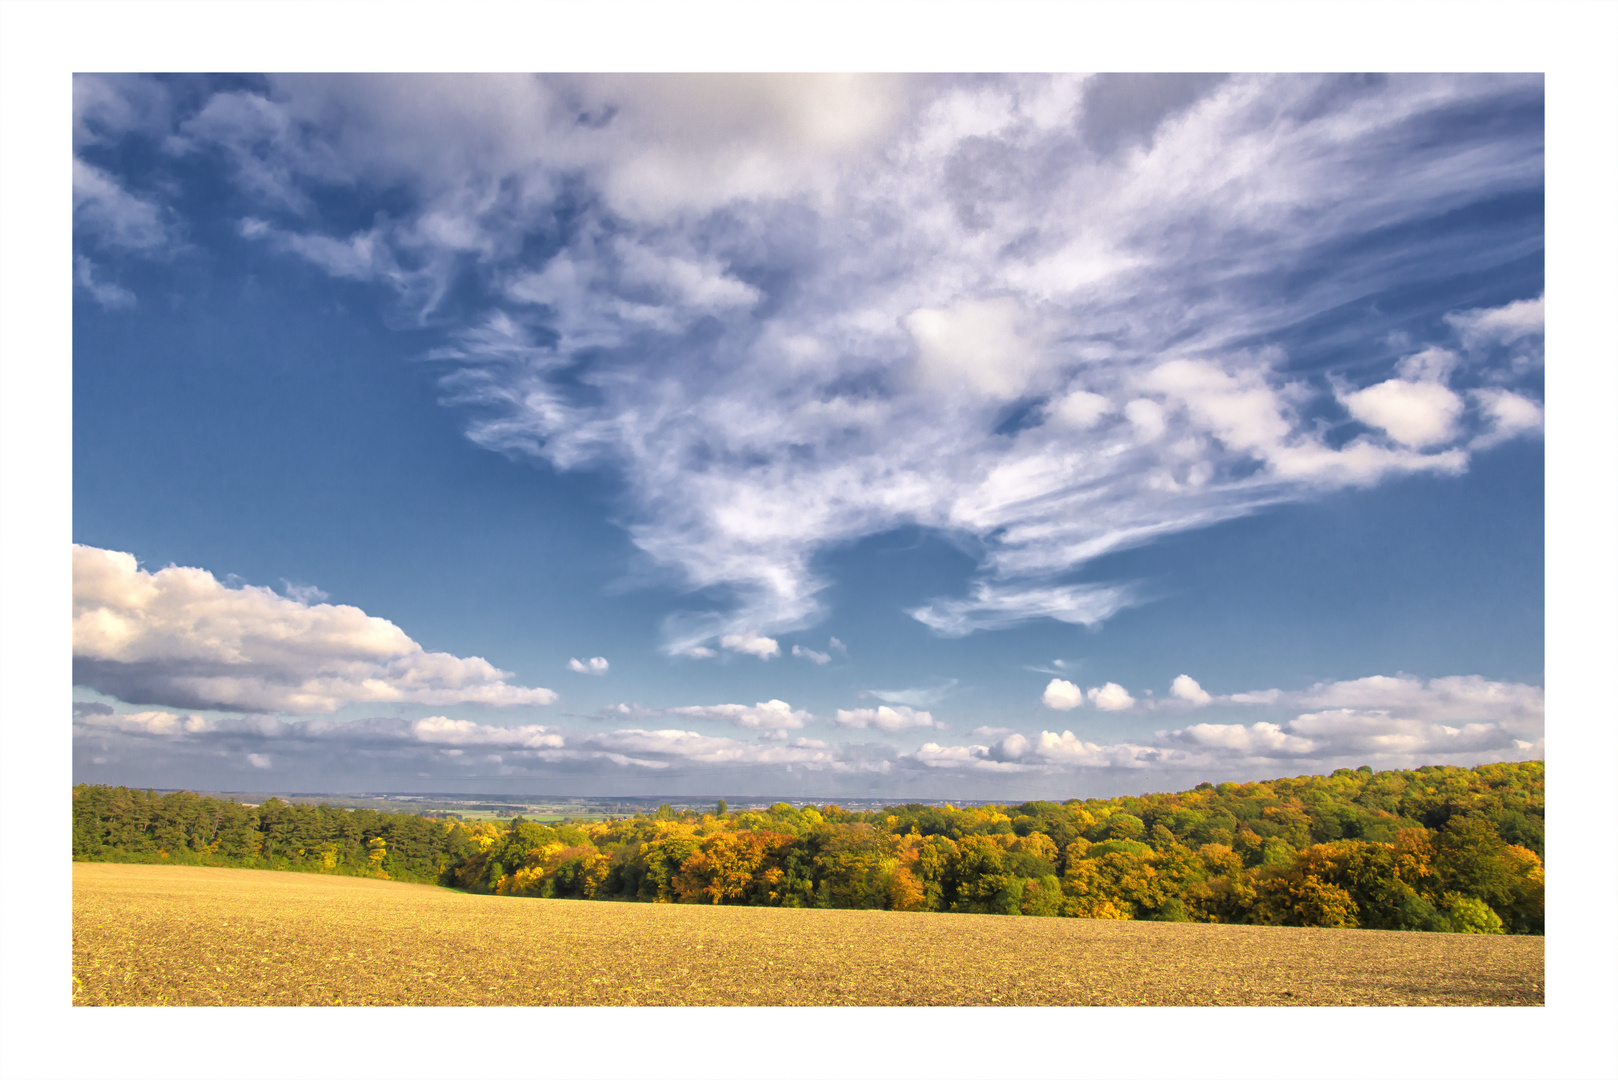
1439, 848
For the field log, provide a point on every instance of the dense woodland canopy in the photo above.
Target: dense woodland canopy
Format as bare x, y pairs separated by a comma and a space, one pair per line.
1437, 848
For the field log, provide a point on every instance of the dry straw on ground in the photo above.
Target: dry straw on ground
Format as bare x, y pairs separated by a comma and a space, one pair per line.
151, 935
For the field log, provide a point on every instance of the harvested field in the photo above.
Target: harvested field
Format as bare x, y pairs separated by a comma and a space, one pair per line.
154, 935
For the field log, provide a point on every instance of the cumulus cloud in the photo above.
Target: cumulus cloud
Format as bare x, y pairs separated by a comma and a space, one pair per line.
886, 718
1340, 734
773, 715
1047, 752
179, 637
1456, 698
752, 644
793, 311
811, 655
1110, 698
596, 665
1509, 415
1188, 689
1063, 695
145, 723
1417, 414
1443, 700
1382, 721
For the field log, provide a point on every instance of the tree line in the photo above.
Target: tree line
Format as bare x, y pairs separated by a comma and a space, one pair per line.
119, 824
1438, 848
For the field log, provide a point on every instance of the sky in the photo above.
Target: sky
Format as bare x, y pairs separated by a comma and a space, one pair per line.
988, 437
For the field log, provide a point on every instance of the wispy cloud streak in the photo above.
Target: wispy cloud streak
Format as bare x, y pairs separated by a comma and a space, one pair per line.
795, 312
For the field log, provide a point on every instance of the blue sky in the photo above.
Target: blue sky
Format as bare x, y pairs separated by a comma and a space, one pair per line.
979, 437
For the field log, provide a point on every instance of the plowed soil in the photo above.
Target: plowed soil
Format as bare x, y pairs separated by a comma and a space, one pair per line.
173, 935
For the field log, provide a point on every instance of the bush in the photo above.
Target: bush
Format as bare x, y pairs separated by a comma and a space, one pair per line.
1469, 915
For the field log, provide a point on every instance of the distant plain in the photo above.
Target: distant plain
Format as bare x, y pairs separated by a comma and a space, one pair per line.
173, 935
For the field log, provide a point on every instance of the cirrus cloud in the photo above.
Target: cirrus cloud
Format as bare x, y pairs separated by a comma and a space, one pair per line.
795, 311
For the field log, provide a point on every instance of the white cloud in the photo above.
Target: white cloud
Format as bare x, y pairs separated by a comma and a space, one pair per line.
1509, 415
596, 665
1417, 414
993, 608
1079, 409
1432, 364
106, 293
145, 723
1048, 752
837, 647
661, 749
442, 731
1063, 695
765, 715
179, 637
918, 696
886, 718
1111, 697
1261, 739
1317, 740
108, 107
1455, 698
304, 594
752, 644
1505, 325
1147, 417
980, 344
437, 746
113, 216
962, 758
811, 655
772, 714
985, 306
1383, 721
1188, 689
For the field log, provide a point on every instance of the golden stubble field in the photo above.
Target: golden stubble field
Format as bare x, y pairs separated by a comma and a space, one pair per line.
173, 935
